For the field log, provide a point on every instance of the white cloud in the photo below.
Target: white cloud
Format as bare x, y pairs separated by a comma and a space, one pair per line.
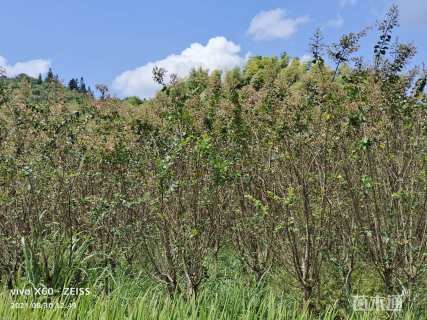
217, 54
344, 3
337, 22
32, 68
275, 24
306, 58
413, 12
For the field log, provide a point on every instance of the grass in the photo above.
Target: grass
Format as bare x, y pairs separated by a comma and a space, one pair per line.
145, 301
226, 294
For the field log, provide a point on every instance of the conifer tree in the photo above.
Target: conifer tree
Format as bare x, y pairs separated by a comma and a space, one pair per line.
82, 87
73, 84
50, 76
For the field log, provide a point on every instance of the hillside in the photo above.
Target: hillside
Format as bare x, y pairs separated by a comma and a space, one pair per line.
274, 191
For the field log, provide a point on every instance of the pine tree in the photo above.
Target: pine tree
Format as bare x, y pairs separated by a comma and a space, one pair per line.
73, 85
39, 79
82, 87
50, 76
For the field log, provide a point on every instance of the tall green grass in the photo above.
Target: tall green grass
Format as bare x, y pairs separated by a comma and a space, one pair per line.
226, 294
147, 301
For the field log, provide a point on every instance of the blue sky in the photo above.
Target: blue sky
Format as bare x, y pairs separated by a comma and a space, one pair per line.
118, 42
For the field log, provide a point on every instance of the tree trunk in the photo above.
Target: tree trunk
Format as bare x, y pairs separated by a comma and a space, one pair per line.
388, 281
308, 292
191, 289
347, 282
